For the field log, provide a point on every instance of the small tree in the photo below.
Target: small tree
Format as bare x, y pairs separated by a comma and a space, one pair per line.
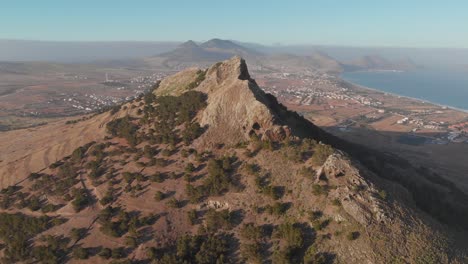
80, 253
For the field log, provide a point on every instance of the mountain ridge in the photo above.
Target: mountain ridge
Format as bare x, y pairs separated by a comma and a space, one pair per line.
209, 168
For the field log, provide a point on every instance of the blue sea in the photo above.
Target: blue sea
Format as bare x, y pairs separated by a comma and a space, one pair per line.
440, 86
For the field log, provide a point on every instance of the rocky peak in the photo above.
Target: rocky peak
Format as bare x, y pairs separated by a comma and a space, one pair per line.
237, 107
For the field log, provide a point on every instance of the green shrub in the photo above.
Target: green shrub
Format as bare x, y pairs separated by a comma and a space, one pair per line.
318, 189
77, 233
158, 196
173, 203
291, 234
252, 252
321, 153
383, 194
117, 253
277, 209
251, 232
336, 202
216, 220
312, 257
123, 127
81, 199
105, 253
352, 235
192, 216
80, 253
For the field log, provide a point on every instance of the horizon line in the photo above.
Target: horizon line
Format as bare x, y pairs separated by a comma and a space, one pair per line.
271, 45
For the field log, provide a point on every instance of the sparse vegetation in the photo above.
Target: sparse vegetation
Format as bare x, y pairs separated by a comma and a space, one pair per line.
321, 153
352, 235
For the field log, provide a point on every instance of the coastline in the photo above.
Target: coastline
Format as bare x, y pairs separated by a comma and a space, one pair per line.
404, 96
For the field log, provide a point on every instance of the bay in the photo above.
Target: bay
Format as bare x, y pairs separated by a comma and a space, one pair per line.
440, 86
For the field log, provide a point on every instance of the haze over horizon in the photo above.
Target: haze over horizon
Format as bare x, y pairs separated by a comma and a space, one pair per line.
363, 23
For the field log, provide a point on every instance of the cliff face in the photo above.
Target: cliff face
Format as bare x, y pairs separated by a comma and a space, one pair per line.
237, 107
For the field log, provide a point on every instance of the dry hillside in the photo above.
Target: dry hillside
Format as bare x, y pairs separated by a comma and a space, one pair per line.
209, 169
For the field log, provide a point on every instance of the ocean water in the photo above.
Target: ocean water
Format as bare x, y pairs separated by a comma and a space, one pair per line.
440, 86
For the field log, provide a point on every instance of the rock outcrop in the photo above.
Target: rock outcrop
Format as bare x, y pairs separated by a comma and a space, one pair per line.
359, 197
237, 107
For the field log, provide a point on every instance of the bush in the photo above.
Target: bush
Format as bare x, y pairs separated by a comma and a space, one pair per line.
218, 179
277, 209
216, 220
158, 196
252, 252
196, 249
251, 232
318, 189
117, 253
123, 127
191, 132
352, 235
315, 215
383, 194
80, 253
307, 172
131, 242
77, 233
291, 234
81, 199
195, 194
189, 168
157, 177
192, 216
173, 203
319, 225
105, 253
312, 257
336, 202
321, 153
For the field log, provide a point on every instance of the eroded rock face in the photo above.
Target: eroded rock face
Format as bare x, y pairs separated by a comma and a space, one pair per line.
359, 198
237, 107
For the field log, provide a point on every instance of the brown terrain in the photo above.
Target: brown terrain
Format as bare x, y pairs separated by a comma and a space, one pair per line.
211, 169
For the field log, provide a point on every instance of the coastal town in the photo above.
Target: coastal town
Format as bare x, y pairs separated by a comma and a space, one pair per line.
316, 94
94, 97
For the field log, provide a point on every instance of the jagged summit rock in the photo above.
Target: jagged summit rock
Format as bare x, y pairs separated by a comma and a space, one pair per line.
237, 107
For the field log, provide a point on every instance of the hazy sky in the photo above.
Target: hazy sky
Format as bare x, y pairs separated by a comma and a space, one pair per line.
409, 23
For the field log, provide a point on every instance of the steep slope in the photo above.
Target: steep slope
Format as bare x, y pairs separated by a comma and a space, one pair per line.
33, 149
210, 169
325, 63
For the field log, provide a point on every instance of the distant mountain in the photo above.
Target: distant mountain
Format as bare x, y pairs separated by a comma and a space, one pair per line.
190, 51
316, 60
376, 62
325, 62
207, 52
372, 62
229, 47
79, 51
